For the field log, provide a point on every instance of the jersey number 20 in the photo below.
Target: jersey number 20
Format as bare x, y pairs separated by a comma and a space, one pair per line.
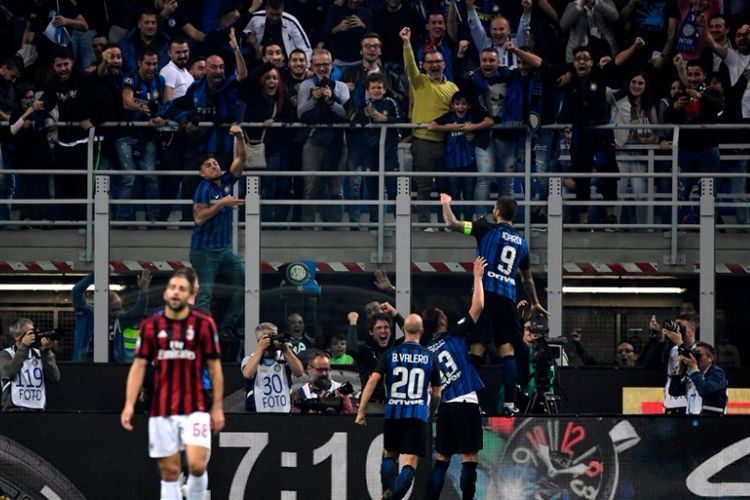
409, 383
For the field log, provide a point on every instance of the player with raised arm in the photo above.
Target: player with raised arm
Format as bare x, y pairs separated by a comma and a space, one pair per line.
459, 418
507, 253
180, 342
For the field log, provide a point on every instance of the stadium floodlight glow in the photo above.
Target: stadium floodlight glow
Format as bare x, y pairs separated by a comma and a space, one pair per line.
46, 287
625, 289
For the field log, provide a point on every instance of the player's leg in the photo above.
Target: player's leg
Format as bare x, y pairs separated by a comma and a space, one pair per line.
509, 370
478, 339
405, 477
196, 434
170, 474
164, 445
197, 483
388, 472
446, 444
468, 421
469, 462
507, 332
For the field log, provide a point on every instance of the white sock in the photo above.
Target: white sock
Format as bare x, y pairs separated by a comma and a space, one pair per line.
170, 490
197, 486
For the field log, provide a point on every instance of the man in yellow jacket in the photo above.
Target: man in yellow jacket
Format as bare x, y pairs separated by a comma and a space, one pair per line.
432, 98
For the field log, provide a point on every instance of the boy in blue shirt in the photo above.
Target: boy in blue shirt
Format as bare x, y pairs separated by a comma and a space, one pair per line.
462, 125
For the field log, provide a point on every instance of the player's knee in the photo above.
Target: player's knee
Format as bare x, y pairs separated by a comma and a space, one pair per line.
197, 467
506, 350
170, 472
469, 457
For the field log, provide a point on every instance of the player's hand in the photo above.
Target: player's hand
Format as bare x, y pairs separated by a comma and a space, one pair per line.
217, 420
538, 309
479, 264
522, 304
360, 419
125, 416
445, 199
352, 317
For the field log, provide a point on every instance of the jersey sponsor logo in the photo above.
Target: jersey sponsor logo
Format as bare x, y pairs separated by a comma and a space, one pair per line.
164, 354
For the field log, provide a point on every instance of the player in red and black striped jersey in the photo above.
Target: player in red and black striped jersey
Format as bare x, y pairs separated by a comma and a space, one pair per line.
180, 342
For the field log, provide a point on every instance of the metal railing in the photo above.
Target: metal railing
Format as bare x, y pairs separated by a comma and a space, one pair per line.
98, 223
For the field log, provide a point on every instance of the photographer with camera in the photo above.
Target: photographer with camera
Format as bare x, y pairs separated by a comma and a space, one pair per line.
268, 372
25, 366
322, 394
681, 333
537, 365
701, 381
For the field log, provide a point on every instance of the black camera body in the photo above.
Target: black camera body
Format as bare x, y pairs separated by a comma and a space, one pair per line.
539, 325
323, 82
321, 405
674, 326
346, 389
52, 335
684, 350
280, 337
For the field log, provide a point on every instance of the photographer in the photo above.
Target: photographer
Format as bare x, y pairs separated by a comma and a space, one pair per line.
701, 381
322, 394
268, 372
681, 333
20, 371
537, 367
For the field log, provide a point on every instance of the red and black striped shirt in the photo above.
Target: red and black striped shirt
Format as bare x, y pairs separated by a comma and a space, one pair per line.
178, 350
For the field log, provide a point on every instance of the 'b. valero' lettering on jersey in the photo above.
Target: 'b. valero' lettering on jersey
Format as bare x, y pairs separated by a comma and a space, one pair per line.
405, 357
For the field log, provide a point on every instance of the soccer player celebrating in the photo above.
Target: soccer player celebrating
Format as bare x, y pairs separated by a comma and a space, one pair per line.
459, 419
412, 380
506, 252
179, 342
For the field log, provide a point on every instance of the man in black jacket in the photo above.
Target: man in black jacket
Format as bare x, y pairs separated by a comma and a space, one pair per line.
701, 375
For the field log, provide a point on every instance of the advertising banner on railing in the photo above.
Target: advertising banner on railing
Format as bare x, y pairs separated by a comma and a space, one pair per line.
77, 456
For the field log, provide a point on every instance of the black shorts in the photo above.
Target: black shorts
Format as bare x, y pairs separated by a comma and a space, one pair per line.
405, 435
498, 323
459, 428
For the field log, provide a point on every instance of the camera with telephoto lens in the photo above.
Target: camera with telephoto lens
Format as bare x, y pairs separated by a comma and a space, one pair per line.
52, 335
327, 404
346, 389
684, 350
674, 326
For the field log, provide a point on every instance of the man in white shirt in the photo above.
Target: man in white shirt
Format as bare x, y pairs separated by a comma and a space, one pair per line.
274, 25
177, 79
500, 33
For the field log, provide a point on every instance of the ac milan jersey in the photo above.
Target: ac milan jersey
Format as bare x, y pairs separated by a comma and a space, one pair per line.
408, 370
459, 377
506, 252
178, 350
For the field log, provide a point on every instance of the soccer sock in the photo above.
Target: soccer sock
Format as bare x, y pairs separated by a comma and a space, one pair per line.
468, 480
388, 472
510, 377
476, 361
170, 490
197, 486
437, 478
403, 482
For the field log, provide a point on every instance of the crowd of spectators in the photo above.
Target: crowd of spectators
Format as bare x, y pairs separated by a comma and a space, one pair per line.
517, 63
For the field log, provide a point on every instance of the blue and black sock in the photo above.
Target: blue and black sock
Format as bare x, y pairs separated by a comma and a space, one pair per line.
437, 478
403, 482
388, 472
468, 480
510, 377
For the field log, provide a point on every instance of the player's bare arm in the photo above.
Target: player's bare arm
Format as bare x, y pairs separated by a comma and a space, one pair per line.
132, 388
217, 383
450, 218
477, 297
238, 163
372, 382
528, 285
435, 393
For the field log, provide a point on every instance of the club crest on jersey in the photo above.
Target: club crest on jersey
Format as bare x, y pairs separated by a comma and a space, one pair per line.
277, 368
162, 334
190, 334
226, 189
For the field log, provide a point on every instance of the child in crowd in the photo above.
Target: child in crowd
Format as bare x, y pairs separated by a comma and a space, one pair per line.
364, 145
464, 127
337, 348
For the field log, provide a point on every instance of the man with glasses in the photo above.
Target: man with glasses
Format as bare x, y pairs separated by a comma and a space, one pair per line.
321, 389
321, 99
432, 99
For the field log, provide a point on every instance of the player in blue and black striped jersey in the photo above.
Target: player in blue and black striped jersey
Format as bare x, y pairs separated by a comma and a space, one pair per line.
507, 253
459, 419
412, 379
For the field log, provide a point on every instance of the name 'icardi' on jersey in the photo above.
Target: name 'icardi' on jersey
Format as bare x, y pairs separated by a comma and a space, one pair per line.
506, 252
179, 350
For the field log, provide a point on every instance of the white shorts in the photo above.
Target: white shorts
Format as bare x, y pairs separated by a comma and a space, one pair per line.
169, 435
